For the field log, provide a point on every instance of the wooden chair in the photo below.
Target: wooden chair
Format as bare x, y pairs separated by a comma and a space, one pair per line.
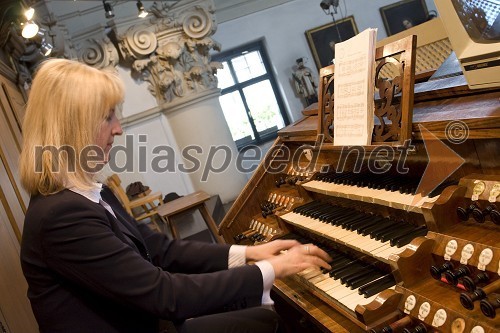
145, 206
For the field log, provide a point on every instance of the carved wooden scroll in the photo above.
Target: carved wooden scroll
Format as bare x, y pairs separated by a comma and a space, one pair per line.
325, 102
393, 97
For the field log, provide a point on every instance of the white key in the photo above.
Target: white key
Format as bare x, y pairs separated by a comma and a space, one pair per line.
382, 197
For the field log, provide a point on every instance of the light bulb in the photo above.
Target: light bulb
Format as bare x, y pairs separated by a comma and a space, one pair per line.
29, 13
30, 29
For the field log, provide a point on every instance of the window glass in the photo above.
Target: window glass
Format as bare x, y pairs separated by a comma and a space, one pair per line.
236, 116
263, 106
224, 77
248, 66
252, 107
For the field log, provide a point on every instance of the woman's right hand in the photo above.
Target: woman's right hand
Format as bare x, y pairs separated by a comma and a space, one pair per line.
298, 258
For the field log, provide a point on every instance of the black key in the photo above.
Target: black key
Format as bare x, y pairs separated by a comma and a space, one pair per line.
348, 271
333, 218
300, 209
338, 268
365, 279
367, 270
400, 230
385, 222
317, 212
332, 212
369, 292
381, 281
420, 231
374, 222
380, 231
345, 222
361, 221
338, 221
405, 230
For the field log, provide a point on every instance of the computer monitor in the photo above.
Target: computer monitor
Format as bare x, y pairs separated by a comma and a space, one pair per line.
473, 27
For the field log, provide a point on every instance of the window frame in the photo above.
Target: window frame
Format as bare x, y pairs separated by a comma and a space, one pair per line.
227, 56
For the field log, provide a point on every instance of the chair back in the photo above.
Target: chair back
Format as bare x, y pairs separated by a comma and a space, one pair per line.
114, 183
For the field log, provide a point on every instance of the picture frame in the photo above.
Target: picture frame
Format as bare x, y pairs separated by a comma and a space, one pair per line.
322, 39
403, 15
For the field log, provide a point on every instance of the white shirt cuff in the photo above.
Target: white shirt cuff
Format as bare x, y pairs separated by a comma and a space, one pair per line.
237, 256
268, 276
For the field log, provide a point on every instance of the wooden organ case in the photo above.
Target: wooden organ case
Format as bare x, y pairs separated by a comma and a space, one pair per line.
411, 221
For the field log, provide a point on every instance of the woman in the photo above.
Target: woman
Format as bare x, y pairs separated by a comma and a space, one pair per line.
91, 267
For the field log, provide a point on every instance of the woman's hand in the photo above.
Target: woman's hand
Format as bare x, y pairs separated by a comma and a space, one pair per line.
269, 250
298, 258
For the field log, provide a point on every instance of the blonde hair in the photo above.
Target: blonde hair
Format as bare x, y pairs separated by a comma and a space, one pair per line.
68, 103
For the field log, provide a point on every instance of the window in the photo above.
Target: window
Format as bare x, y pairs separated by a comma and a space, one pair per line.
250, 100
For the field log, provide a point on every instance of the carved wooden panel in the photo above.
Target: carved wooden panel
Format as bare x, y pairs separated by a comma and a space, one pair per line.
325, 102
16, 314
393, 97
394, 109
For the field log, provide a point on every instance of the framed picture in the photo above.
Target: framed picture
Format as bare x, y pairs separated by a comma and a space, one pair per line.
403, 15
322, 39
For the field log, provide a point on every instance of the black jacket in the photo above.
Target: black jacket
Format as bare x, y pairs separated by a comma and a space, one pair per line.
88, 271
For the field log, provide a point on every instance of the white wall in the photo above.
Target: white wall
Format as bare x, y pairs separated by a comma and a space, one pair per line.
138, 98
283, 28
200, 124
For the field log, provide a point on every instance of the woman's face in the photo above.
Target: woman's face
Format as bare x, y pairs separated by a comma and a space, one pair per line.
109, 128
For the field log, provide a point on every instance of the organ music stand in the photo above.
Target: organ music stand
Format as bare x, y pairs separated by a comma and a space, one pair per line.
394, 103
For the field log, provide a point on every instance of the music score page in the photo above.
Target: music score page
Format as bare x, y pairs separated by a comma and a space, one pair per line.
354, 89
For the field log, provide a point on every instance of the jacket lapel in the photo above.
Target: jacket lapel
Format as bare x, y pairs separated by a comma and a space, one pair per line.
123, 221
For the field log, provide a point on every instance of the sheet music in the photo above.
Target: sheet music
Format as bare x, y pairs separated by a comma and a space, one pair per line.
354, 89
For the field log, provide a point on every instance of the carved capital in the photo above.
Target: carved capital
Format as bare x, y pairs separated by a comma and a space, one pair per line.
198, 22
138, 42
172, 53
98, 53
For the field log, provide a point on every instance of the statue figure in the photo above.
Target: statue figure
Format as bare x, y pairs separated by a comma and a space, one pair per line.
304, 82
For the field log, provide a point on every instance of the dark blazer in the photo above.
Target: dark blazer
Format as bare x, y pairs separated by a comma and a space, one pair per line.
88, 271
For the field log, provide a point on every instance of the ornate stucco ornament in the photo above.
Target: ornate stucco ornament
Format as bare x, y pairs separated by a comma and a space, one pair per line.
171, 51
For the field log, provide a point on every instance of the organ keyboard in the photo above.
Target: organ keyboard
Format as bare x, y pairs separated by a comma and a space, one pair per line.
350, 281
378, 236
393, 239
382, 196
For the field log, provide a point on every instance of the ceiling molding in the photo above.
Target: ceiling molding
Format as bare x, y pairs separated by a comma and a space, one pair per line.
227, 10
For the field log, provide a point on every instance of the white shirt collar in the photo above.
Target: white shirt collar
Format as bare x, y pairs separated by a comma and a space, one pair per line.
94, 194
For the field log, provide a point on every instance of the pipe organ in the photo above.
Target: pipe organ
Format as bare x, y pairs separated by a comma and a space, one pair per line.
414, 231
